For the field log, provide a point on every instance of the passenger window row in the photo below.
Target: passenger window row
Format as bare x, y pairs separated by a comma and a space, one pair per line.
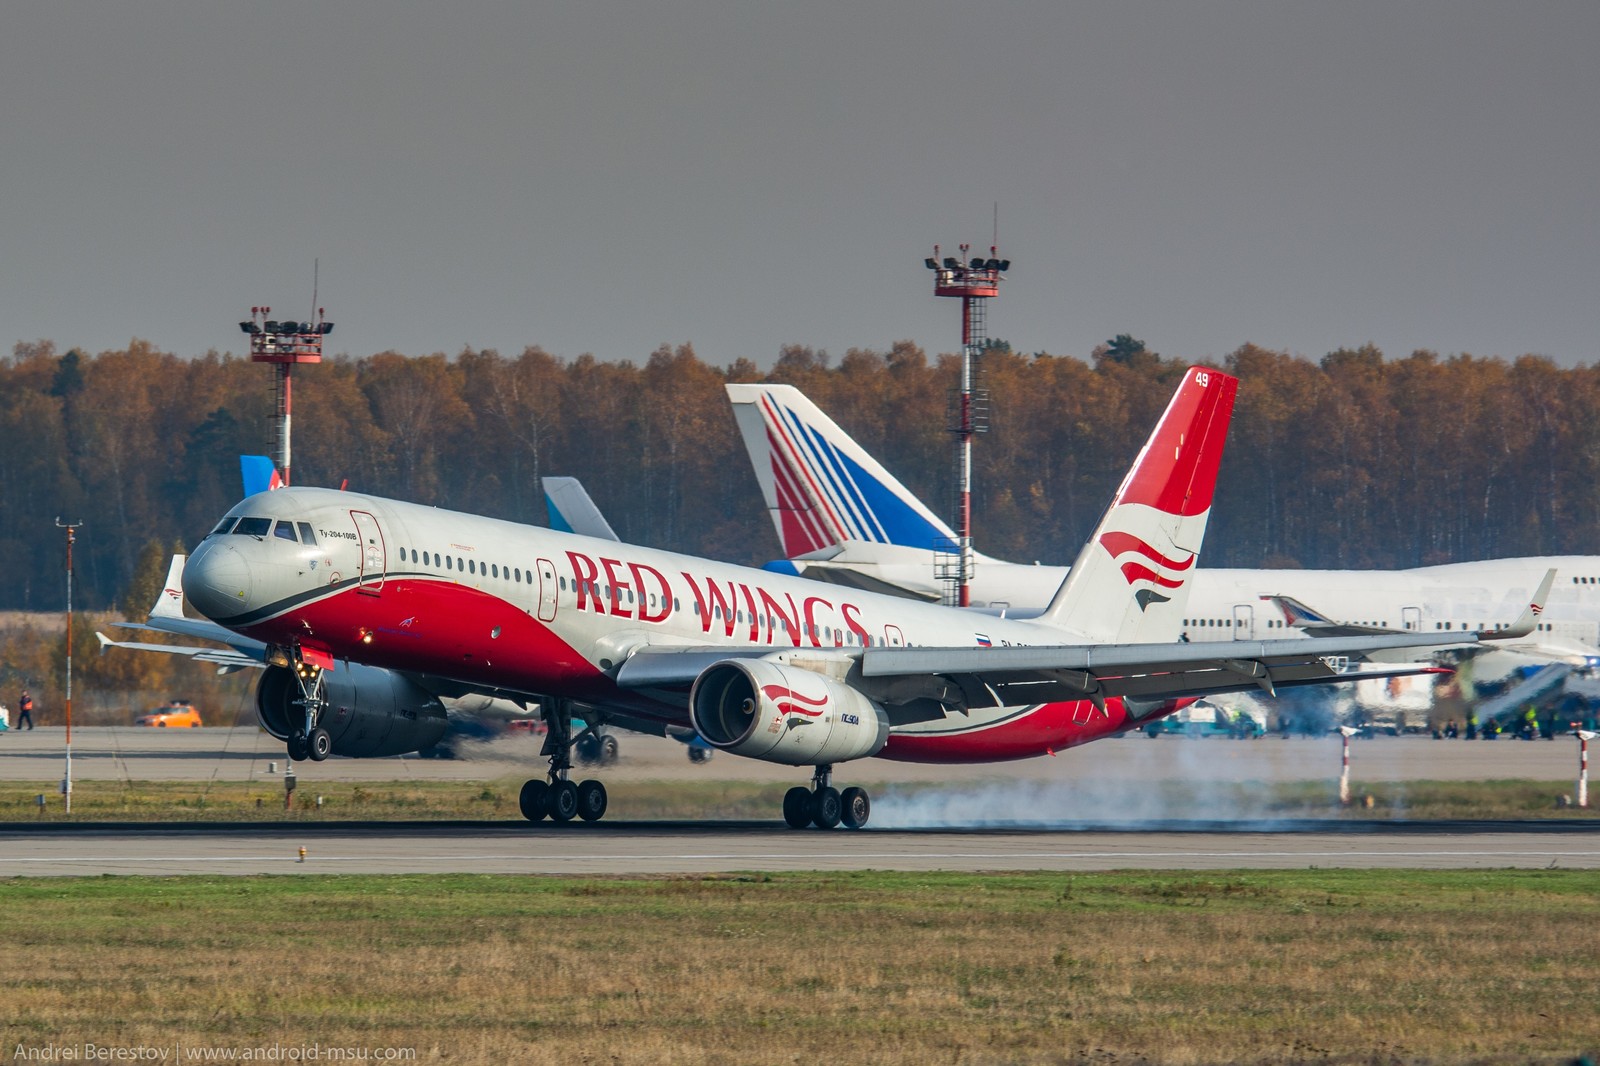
456, 564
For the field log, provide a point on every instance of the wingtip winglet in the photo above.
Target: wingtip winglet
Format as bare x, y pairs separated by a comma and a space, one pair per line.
1530, 614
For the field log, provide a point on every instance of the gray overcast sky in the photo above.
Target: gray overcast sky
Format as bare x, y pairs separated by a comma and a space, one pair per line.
605, 177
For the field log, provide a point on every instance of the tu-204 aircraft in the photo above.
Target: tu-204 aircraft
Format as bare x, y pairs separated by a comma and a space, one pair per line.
369, 610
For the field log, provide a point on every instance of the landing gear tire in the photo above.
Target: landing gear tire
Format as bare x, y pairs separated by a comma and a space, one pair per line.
587, 749
826, 808
701, 755
532, 800
319, 745
591, 801
796, 806
855, 807
561, 802
299, 748
597, 749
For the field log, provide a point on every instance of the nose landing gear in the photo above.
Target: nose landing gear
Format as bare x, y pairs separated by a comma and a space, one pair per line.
824, 806
310, 741
557, 798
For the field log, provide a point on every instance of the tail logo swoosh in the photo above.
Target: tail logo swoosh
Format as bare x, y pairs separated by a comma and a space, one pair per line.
1142, 564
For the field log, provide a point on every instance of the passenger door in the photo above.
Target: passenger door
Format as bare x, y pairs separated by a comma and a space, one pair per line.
370, 545
547, 590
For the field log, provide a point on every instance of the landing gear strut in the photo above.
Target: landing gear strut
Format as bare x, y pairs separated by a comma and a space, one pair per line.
824, 806
310, 741
557, 798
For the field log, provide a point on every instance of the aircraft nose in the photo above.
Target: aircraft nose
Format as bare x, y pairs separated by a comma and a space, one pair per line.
217, 581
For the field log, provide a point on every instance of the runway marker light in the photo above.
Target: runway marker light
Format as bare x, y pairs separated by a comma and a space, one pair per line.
1584, 736
1345, 733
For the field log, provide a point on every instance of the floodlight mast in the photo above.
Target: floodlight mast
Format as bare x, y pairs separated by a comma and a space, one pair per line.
973, 281
284, 344
66, 777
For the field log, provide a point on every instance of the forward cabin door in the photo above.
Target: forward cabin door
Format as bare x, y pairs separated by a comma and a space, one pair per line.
547, 591
370, 540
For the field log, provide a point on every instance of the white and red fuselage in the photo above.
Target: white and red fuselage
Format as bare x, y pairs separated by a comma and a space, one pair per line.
494, 605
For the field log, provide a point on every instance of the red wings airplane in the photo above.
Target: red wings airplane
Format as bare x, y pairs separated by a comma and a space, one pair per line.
372, 609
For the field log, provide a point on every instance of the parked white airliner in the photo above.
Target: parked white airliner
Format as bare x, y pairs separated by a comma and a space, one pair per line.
843, 518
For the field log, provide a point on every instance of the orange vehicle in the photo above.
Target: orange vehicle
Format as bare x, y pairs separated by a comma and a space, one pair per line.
174, 713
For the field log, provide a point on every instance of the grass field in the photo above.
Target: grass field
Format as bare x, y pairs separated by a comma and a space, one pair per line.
1305, 966
425, 799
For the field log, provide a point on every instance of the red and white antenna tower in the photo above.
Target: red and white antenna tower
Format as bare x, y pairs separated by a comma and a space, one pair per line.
974, 280
284, 344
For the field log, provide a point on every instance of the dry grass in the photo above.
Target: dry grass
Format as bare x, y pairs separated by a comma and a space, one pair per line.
422, 799
882, 968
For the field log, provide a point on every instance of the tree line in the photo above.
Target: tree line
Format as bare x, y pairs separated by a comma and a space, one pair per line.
1353, 460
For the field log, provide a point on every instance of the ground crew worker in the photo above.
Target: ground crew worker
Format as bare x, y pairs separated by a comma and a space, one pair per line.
1472, 726
25, 710
1530, 723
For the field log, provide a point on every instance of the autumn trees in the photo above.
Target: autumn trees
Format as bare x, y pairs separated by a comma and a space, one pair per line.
1352, 460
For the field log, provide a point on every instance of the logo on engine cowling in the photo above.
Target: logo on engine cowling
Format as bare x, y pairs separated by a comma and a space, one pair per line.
783, 697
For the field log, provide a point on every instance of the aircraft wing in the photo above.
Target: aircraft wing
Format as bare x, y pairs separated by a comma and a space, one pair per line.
166, 616
991, 677
227, 660
1014, 676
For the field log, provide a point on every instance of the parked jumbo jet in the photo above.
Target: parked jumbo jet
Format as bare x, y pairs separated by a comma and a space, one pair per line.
843, 518
371, 609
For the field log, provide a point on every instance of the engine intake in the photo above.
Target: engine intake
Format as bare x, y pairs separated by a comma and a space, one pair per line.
370, 711
765, 710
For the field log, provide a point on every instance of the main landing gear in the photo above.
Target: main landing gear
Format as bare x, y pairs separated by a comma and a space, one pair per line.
824, 806
310, 741
557, 798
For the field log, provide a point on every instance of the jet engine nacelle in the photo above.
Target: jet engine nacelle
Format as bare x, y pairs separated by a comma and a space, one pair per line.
766, 710
370, 711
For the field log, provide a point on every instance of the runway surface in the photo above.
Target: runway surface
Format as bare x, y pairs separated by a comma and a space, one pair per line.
245, 754
1107, 780
706, 848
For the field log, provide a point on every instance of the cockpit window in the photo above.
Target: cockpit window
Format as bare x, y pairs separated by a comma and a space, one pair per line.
285, 530
253, 527
224, 525
306, 536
